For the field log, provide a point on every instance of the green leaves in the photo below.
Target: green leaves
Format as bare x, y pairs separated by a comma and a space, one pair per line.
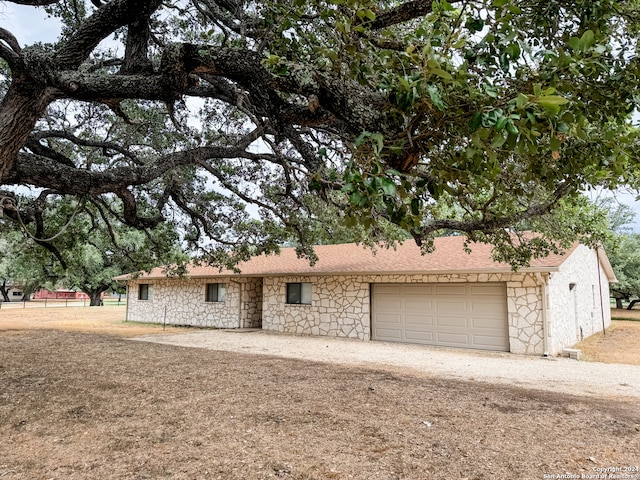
584, 43
551, 103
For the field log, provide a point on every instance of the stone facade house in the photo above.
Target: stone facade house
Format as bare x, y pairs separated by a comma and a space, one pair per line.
449, 297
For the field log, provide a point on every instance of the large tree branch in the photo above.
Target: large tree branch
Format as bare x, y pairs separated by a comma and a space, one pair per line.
36, 147
38, 170
9, 55
494, 223
100, 25
358, 107
136, 59
402, 13
340, 102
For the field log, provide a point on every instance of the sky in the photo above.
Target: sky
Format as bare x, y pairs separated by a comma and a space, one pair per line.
31, 24
28, 24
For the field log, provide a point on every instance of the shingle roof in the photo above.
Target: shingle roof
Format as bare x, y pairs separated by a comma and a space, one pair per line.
449, 256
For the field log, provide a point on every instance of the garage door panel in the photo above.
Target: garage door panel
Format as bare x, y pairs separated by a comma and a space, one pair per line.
487, 341
387, 289
389, 319
413, 336
456, 315
453, 339
450, 289
490, 304
418, 289
423, 320
478, 309
444, 307
390, 304
452, 321
389, 334
495, 323
418, 304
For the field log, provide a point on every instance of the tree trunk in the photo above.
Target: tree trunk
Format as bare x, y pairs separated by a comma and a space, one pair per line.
96, 298
5, 293
20, 109
619, 303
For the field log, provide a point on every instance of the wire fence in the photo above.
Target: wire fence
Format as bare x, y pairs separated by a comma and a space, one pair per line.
59, 302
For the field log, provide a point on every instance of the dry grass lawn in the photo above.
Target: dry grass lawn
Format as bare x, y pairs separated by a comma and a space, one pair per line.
101, 320
620, 344
80, 401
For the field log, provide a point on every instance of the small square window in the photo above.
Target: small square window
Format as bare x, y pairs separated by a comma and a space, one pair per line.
299, 293
216, 292
144, 291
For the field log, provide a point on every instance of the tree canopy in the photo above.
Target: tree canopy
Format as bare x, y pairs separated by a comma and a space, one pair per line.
240, 122
82, 250
623, 250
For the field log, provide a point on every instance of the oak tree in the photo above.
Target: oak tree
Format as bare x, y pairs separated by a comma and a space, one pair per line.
232, 120
83, 250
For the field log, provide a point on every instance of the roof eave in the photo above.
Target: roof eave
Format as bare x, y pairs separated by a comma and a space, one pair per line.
541, 269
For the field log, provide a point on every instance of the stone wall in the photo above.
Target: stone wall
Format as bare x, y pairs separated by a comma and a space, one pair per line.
575, 305
340, 305
183, 300
251, 303
524, 304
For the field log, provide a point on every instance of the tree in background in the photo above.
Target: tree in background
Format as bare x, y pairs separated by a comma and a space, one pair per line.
79, 250
625, 259
230, 119
22, 264
623, 250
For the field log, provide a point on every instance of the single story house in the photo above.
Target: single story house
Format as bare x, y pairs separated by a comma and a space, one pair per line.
449, 297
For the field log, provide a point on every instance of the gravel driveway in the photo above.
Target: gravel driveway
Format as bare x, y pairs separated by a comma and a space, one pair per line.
551, 374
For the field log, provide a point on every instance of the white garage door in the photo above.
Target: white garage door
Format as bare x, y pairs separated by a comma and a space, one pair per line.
470, 315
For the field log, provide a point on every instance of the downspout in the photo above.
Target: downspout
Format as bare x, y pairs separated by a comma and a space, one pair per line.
600, 285
545, 313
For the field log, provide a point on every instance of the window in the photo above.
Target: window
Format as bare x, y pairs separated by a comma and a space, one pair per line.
144, 291
299, 293
216, 292
16, 294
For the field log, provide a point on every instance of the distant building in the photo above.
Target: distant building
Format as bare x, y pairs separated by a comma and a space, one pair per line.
60, 294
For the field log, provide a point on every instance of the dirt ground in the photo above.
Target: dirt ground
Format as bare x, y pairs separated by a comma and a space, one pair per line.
80, 401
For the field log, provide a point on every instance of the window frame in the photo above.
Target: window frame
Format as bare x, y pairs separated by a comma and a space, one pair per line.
220, 293
144, 292
303, 295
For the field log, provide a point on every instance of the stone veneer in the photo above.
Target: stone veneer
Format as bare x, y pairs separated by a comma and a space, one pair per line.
183, 300
340, 305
